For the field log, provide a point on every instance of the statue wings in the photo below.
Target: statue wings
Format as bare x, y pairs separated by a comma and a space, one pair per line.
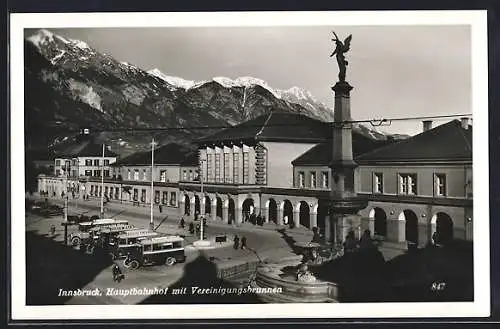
347, 43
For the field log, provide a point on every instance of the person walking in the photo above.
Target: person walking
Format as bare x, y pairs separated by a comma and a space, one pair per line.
182, 223
236, 241
244, 242
160, 208
191, 228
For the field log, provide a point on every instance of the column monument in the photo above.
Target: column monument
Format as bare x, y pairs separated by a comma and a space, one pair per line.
344, 202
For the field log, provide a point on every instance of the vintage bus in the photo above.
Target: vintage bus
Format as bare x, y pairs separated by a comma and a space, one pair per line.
129, 239
82, 236
166, 250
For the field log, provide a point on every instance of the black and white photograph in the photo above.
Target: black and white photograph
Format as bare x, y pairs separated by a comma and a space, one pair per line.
286, 164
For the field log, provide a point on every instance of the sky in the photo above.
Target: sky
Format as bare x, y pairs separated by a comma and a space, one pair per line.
396, 71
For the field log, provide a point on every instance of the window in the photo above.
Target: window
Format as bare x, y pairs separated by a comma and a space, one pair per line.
117, 193
106, 162
144, 174
236, 168
96, 162
191, 175
106, 173
88, 172
164, 198
210, 165
100, 190
75, 162
163, 175
91, 189
111, 192
440, 184
246, 168
73, 173
226, 168
157, 197
313, 179
58, 162
136, 194
324, 179
106, 191
378, 183
97, 173
217, 168
88, 162
173, 198
143, 195
408, 184
301, 179
184, 175
136, 174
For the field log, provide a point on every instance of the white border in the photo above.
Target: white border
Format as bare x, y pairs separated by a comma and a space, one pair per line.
479, 308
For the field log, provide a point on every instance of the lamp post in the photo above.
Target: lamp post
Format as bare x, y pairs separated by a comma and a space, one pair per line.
102, 182
65, 202
202, 195
151, 222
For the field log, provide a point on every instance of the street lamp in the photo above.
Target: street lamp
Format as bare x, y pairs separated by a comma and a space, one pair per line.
66, 165
102, 181
153, 143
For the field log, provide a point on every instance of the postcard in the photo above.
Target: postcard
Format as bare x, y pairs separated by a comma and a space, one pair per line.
245, 165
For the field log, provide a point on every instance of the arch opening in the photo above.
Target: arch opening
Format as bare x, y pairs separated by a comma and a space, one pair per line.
231, 211
380, 221
288, 213
304, 214
411, 225
218, 208
444, 228
273, 211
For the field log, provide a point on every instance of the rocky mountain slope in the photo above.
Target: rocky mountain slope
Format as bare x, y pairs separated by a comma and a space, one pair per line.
70, 85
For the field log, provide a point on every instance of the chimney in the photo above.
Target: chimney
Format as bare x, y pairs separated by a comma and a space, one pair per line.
427, 125
464, 122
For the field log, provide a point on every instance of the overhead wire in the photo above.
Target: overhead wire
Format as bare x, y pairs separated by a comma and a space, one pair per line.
374, 122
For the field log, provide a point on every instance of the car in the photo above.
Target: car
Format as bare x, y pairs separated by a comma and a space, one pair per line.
167, 250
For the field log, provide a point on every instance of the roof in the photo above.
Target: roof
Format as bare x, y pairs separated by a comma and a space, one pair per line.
275, 126
447, 142
321, 154
86, 148
170, 154
163, 239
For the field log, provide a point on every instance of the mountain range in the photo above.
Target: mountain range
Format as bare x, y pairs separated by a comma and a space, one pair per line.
69, 86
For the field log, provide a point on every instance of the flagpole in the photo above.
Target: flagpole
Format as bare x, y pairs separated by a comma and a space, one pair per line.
102, 182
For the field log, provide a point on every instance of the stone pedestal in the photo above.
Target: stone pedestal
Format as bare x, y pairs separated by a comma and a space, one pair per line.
344, 201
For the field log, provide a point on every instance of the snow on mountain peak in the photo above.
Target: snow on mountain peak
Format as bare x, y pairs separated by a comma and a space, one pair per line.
41, 37
245, 82
174, 81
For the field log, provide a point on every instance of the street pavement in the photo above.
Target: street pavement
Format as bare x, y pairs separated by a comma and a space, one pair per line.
262, 243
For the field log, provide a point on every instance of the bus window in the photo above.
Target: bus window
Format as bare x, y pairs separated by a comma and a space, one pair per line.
148, 247
178, 244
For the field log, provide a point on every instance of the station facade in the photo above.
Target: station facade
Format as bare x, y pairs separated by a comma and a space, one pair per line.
277, 166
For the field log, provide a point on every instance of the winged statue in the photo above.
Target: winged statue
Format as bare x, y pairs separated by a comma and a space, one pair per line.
340, 49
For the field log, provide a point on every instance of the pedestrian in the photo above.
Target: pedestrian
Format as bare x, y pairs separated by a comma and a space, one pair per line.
117, 273
52, 230
191, 228
160, 207
236, 241
182, 222
244, 242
